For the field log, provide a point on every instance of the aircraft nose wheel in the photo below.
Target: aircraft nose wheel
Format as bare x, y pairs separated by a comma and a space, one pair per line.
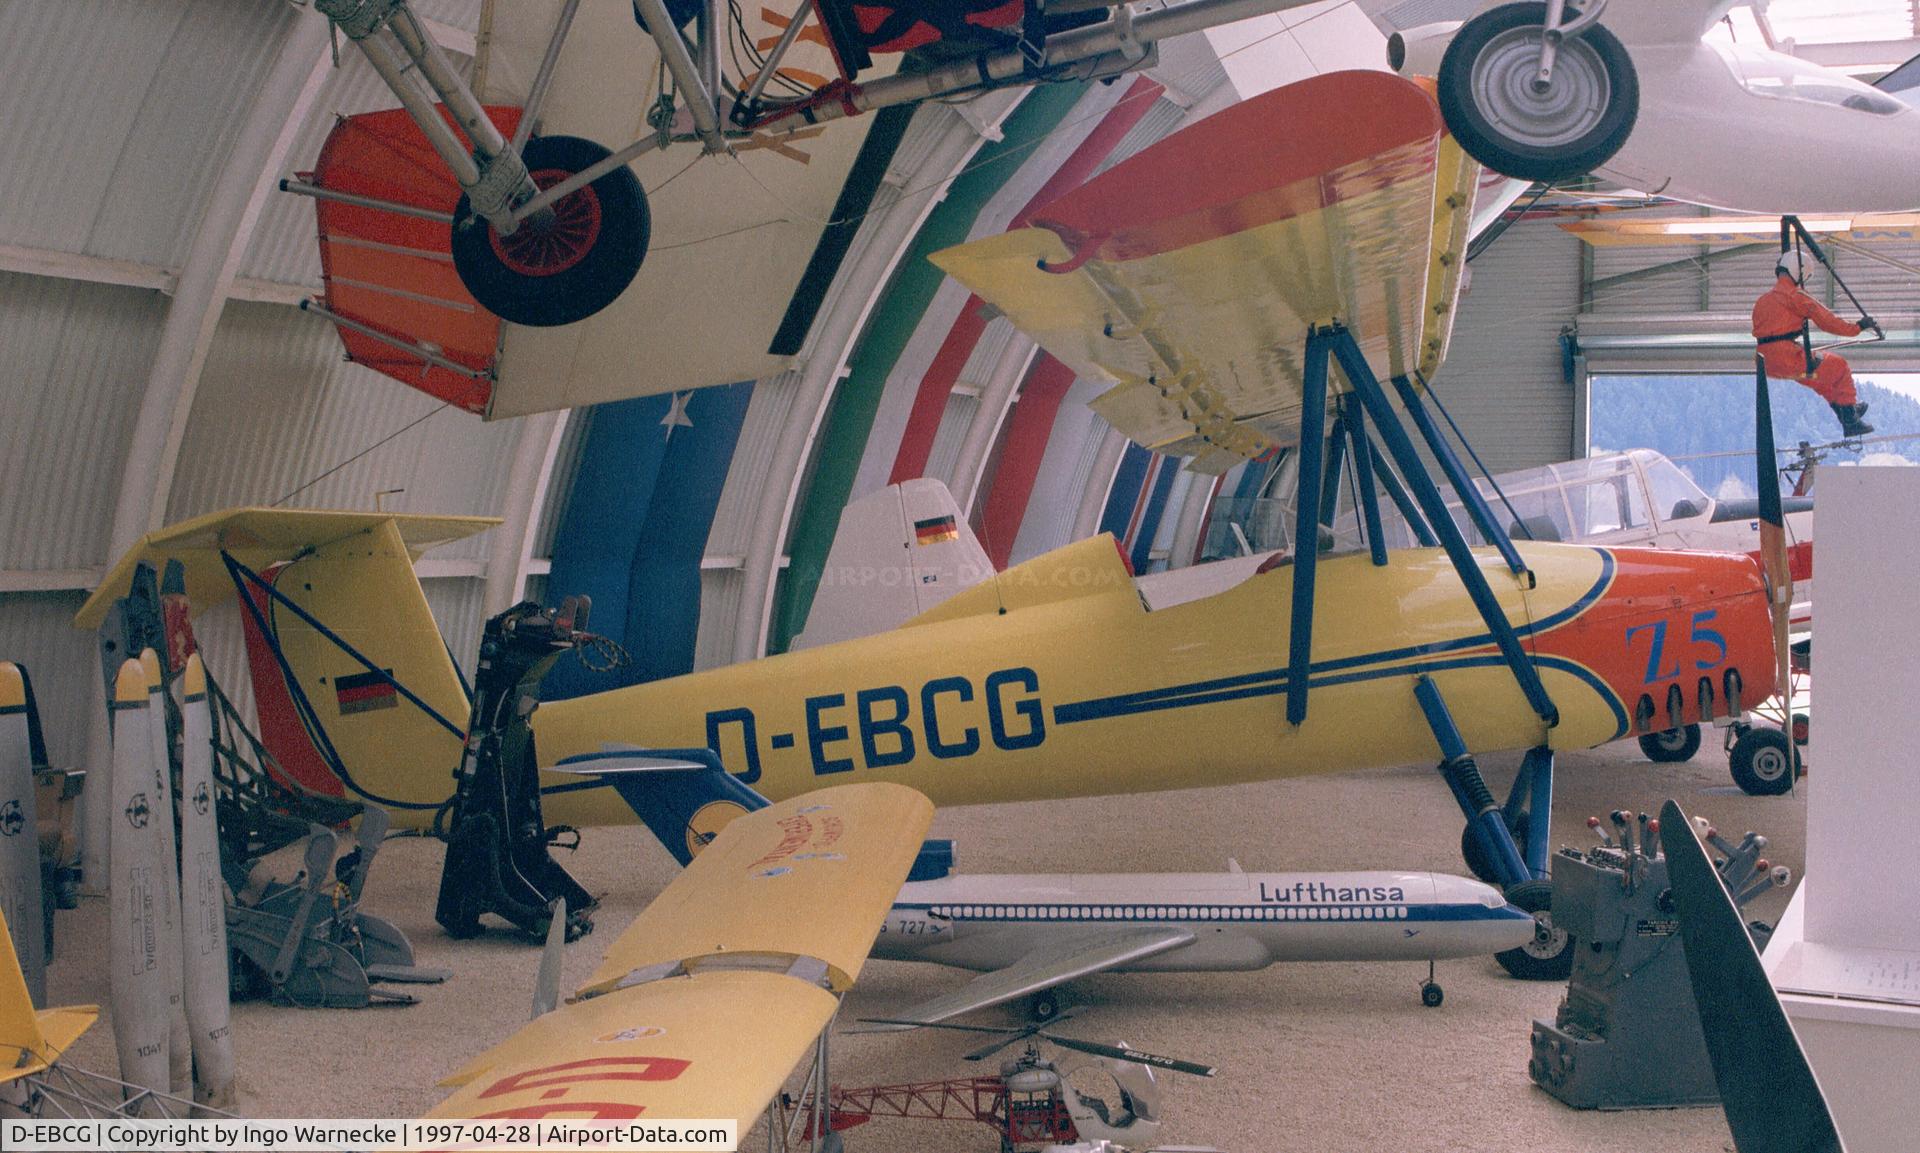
1431, 994
1549, 956
568, 263
1499, 112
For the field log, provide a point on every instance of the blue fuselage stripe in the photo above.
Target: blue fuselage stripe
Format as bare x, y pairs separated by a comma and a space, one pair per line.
1271, 682
1190, 914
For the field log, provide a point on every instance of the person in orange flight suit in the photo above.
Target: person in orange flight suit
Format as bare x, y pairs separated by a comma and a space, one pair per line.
1780, 320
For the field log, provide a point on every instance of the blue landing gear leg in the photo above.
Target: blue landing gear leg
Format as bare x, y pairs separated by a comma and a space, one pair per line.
1489, 844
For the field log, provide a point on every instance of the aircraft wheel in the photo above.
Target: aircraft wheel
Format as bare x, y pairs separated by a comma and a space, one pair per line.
1801, 724
1478, 863
1549, 956
572, 264
1431, 995
1672, 746
1764, 763
1487, 94
1043, 1006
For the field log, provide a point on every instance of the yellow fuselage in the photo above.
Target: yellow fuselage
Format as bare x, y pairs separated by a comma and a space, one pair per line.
1057, 681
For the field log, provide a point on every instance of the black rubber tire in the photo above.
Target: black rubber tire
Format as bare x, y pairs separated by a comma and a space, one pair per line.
1764, 762
596, 275
1550, 955
1484, 139
1043, 1006
1672, 746
1431, 995
1476, 859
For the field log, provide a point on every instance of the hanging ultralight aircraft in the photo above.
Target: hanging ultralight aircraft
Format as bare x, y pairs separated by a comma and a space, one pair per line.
1632, 91
488, 199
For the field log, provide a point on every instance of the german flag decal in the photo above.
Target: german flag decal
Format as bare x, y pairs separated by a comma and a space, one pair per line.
935, 530
364, 692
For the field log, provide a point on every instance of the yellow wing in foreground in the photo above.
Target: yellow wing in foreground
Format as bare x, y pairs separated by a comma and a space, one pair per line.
1191, 274
258, 537
706, 1003
31, 1040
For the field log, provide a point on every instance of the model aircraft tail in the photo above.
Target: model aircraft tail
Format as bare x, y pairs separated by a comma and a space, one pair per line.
685, 797
896, 554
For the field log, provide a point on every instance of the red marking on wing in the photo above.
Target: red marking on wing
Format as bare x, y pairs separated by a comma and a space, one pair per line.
589, 1069
1288, 153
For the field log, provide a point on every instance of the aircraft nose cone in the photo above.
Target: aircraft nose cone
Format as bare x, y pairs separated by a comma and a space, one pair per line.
1678, 638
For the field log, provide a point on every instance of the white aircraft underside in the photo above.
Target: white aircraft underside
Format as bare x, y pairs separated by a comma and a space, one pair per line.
1029, 933
1733, 126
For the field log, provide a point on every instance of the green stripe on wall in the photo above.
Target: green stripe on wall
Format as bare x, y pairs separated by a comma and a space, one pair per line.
850, 417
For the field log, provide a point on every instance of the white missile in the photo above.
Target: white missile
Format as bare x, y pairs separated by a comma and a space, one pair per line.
203, 904
138, 989
19, 840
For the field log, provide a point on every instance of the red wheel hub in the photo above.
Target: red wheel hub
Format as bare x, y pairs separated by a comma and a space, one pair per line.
549, 247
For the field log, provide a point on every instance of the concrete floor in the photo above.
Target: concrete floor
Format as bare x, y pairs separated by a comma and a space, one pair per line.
1322, 1057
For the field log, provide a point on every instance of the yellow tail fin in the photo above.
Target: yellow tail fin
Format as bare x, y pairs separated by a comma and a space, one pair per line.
355, 691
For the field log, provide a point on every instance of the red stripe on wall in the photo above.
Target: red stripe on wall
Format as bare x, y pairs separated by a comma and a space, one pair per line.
1028, 429
930, 401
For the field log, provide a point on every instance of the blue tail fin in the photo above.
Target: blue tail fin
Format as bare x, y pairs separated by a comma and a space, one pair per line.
685, 796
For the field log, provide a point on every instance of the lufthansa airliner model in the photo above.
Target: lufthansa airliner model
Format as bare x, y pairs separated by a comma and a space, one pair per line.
1027, 935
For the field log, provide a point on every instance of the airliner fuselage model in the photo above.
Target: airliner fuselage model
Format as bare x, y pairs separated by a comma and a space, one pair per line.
1064, 676
1631, 90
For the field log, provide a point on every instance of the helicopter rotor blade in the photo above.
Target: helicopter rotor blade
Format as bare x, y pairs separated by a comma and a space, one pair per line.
1123, 1053
991, 1048
1009, 1030
912, 1024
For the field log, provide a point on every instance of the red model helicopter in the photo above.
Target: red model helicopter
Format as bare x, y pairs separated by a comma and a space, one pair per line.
1032, 1103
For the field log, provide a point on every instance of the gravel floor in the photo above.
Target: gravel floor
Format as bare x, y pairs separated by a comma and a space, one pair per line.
1321, 1057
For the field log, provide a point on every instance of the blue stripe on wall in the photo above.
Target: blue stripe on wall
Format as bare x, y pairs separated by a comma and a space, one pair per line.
1125, 491
636, 526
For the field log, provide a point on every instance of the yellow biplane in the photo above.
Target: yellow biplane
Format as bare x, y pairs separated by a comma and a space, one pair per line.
1216, 278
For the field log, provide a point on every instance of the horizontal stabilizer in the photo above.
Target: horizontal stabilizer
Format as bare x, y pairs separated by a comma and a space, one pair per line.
259, 537
1046, 967
686, 796
896, 554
